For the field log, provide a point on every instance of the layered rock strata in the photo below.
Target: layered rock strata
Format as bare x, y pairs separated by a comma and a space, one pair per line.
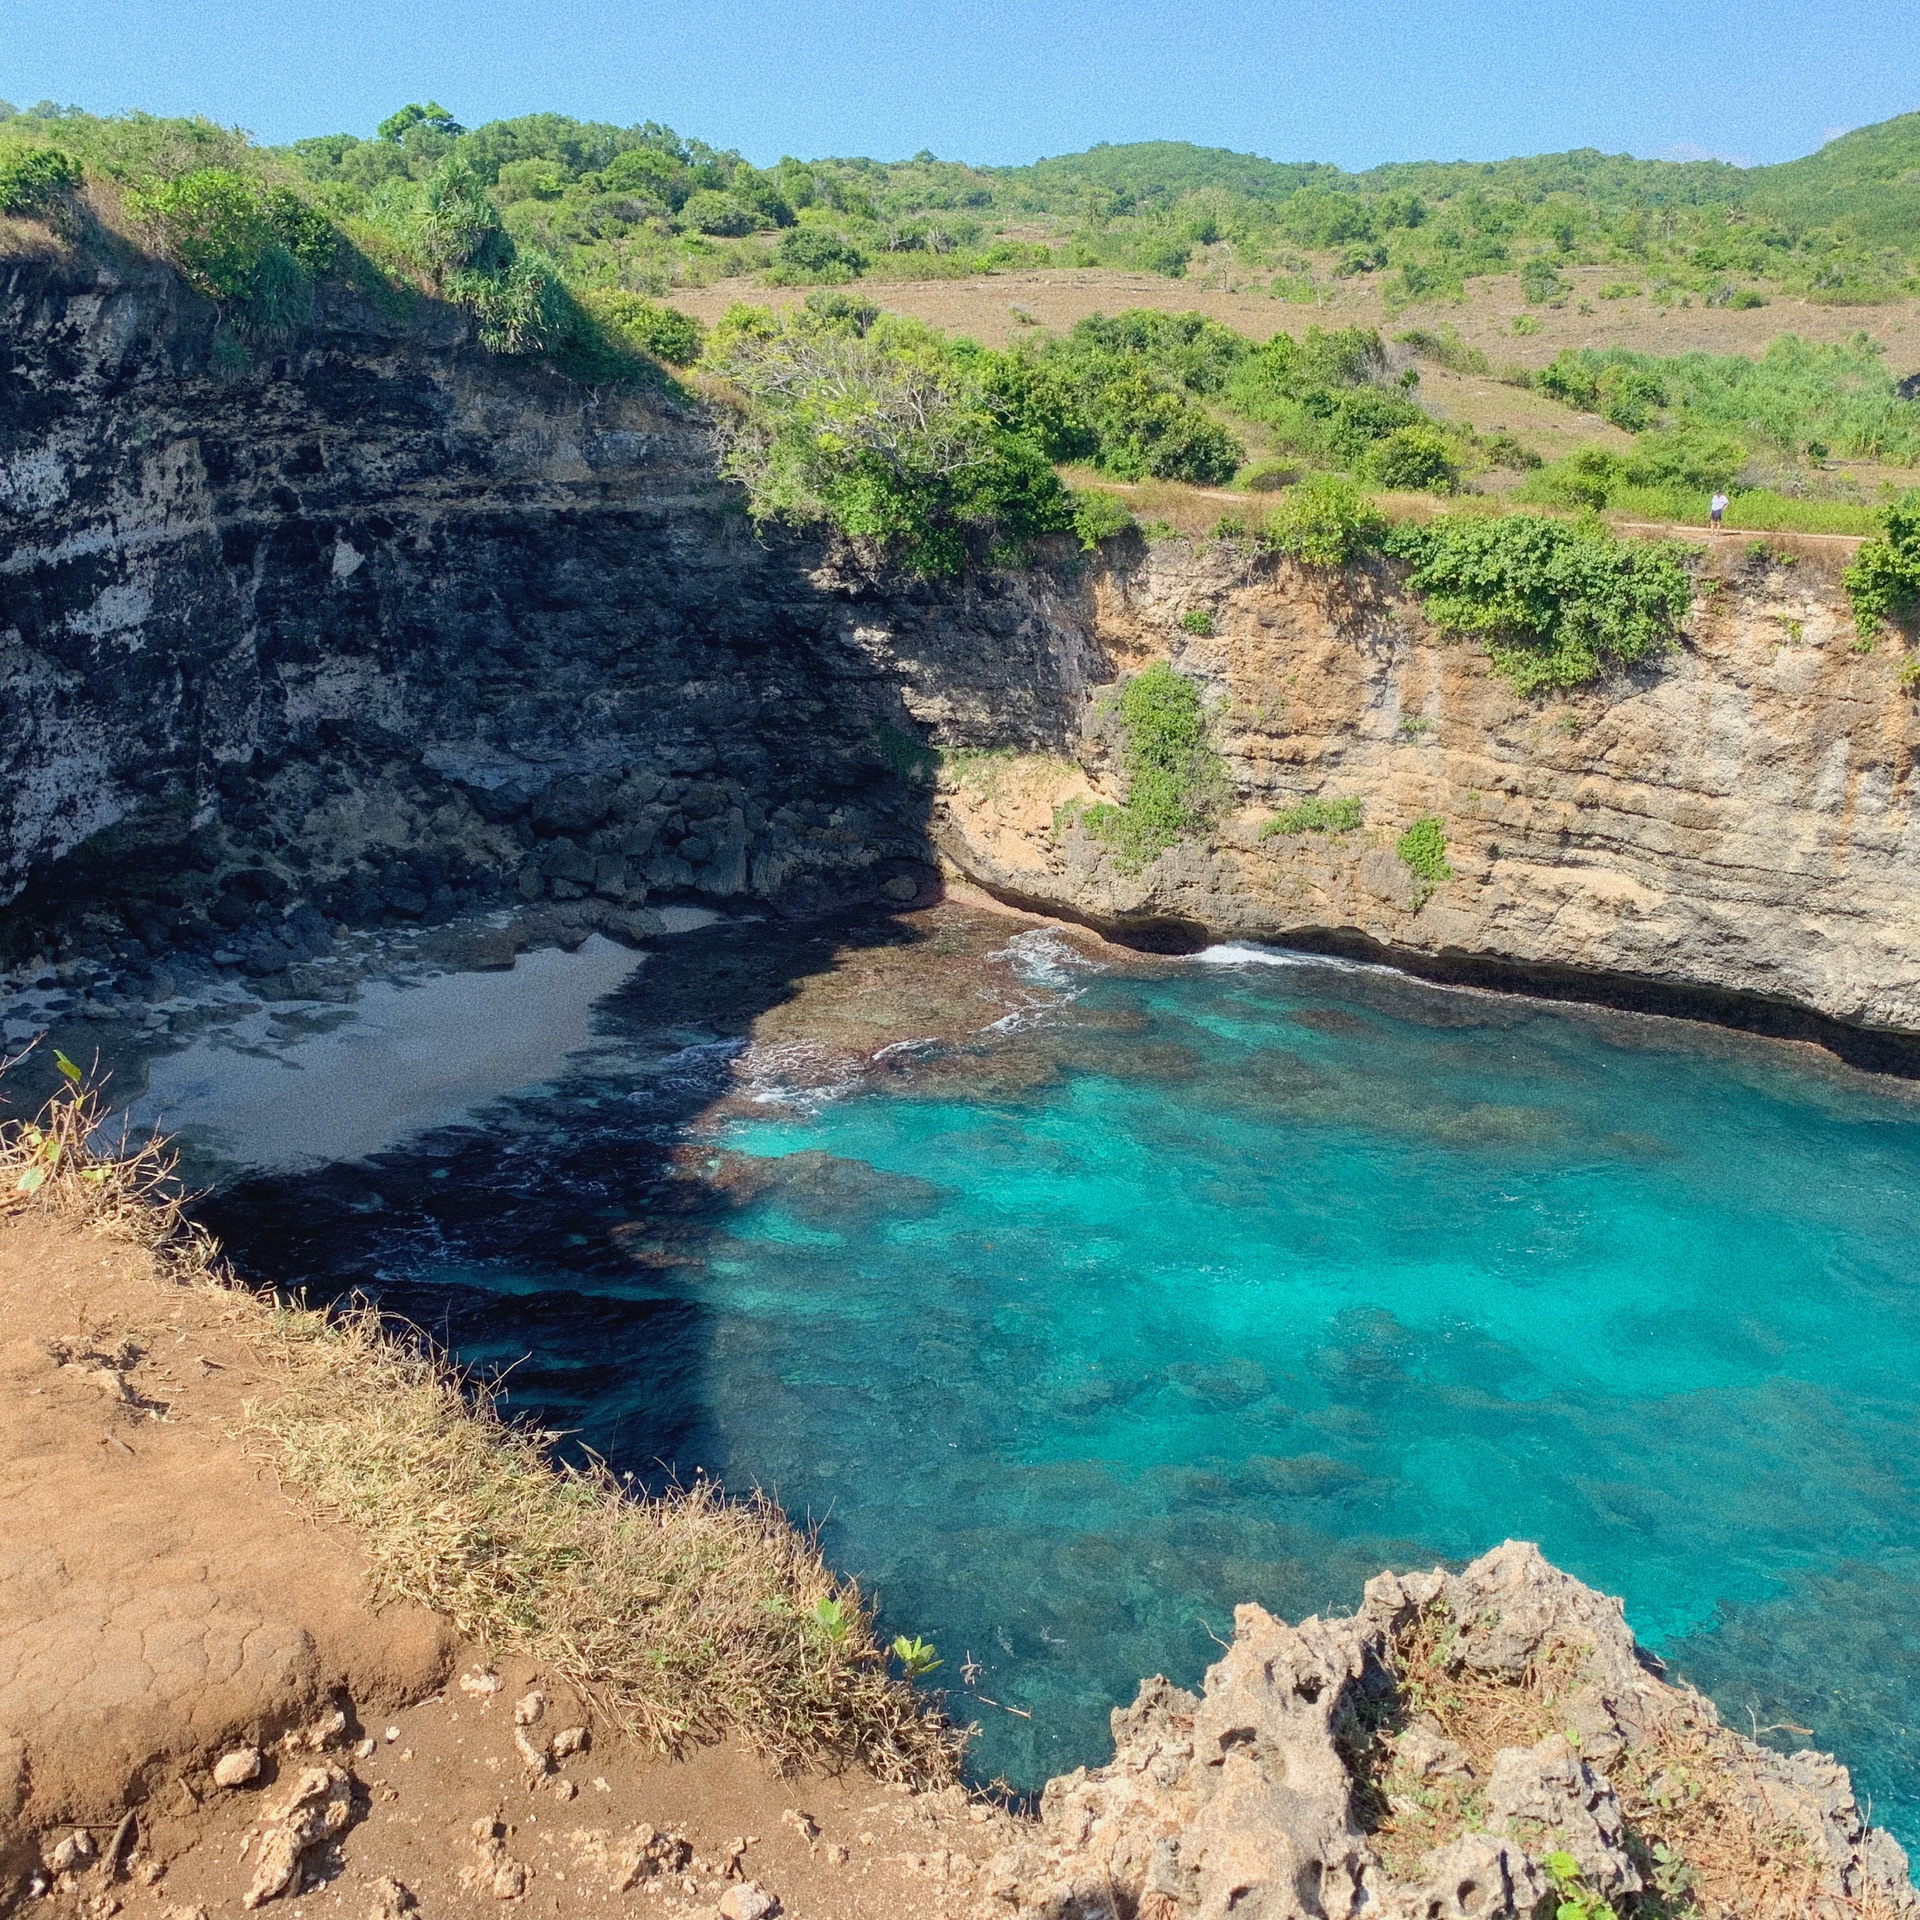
379, 629
1735, 818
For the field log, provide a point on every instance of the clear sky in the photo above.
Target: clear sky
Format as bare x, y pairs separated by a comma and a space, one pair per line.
1353, 81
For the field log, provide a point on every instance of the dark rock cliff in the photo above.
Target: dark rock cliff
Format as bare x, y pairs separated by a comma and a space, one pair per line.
384, 625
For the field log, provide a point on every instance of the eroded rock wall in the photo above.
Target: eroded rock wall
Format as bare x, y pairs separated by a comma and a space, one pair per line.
403, 626
1735, 818
376, 626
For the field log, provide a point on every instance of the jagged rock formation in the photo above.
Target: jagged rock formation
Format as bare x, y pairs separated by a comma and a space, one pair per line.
1462, 1748
386, 626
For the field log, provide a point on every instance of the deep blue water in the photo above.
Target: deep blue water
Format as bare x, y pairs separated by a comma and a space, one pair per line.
1239, 1282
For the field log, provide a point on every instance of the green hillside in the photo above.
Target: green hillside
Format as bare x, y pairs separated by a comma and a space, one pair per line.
1866, 182
642, 209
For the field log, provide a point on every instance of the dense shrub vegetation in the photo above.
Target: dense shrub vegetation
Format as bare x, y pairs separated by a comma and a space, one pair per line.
1324, 522
1883, 581
877, 425
643, 208
1174, 778
1798, 396
35, 180
1761, 428
1557, 603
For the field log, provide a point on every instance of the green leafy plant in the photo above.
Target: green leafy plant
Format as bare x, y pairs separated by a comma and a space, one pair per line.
1541, 283
35, 180
1423, 849
1174, 778
1556, 604
1196, 620
883, 430
252, 248
817, 254
834, 1617
1883, 579
1417, 459
1324, 522
661, 332
1314, 815
917, 1657
1574, 1899
1098, 516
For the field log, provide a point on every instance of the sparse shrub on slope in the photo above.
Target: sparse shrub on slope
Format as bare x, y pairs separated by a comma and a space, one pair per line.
1556, 604
1883, 581
1174, 778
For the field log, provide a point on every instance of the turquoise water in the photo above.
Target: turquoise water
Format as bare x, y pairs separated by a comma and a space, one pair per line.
1240, 1282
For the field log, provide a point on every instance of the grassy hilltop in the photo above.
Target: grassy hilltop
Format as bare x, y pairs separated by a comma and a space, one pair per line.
591, 244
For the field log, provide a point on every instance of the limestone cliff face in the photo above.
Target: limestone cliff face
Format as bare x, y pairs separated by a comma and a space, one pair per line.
1735, 818
378, 625
403, 626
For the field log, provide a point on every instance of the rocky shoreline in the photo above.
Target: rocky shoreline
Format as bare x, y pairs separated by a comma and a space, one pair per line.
380, 632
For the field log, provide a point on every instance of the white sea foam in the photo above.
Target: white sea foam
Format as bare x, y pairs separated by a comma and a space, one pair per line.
796, 1074
1250, 953
1045, 957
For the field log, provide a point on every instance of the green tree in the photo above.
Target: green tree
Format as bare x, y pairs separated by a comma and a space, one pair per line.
879, 428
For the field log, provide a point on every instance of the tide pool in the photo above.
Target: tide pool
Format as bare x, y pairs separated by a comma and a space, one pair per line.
1233, 1281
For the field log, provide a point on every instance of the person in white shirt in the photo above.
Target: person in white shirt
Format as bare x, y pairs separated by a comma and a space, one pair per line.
1715, 508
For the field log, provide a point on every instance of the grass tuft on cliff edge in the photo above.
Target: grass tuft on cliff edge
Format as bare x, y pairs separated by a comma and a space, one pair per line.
682, 1617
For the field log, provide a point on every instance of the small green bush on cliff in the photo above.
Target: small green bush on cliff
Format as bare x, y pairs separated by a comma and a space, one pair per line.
1324, 522
1174, 778
1314, 815
1883, 581
255, 249
673, 338
1556, 603
1099, 516
1423, 849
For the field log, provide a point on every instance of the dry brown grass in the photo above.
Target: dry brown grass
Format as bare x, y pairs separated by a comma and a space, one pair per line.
1695, 1805
684, 1616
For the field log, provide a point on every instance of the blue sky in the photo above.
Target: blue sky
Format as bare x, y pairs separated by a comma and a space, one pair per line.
1353, 81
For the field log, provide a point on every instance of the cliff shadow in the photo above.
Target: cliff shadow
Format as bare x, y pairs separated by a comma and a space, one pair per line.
558, 1243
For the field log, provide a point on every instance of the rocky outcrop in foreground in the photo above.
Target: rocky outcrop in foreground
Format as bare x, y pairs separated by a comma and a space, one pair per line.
1465, 1747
